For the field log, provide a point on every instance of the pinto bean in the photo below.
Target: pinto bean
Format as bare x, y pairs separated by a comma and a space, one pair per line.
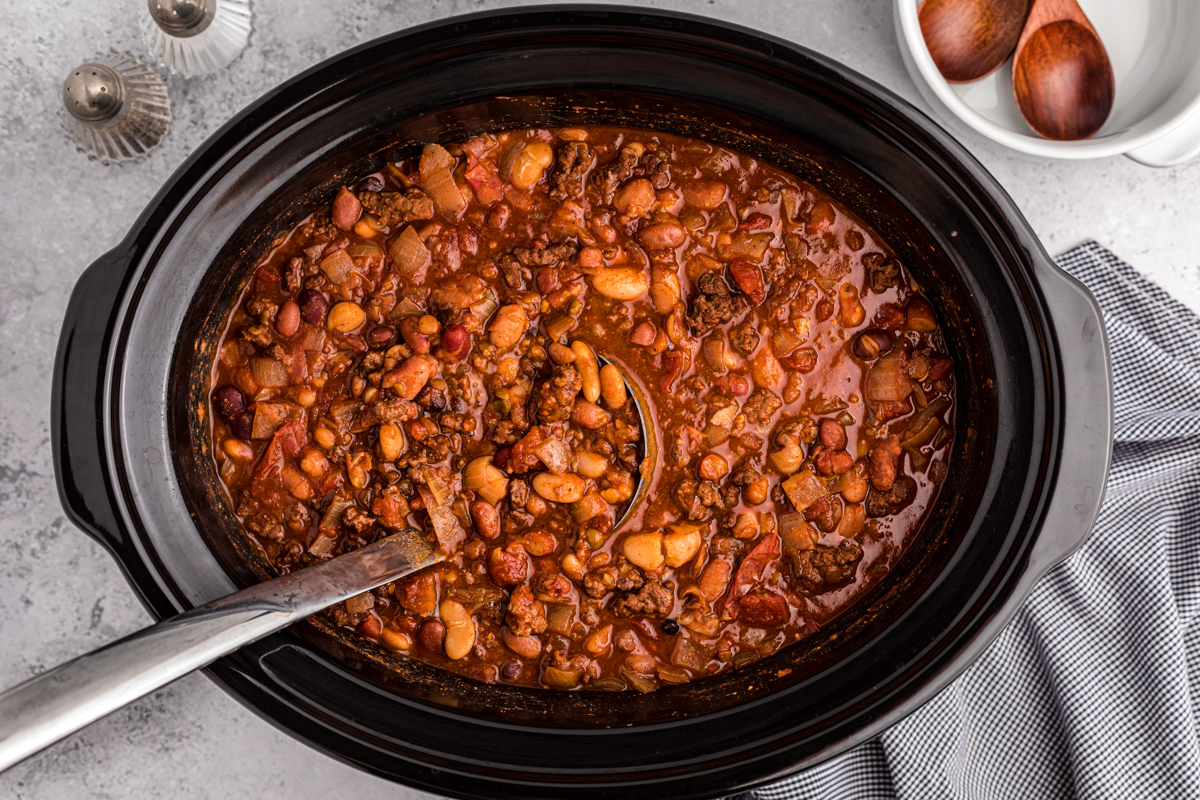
508, 326
634, 197
590, 415
704, 194
832, 434
662, 235
410, 332
882, 461
287, 319
410, 378
346, 209
487, 521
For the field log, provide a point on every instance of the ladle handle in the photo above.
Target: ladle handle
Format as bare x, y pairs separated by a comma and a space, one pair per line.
60, 701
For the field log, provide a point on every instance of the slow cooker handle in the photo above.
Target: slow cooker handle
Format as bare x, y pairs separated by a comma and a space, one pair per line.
1087, 434
77, 405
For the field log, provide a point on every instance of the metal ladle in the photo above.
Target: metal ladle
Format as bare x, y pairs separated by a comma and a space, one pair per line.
60, 701
650, 448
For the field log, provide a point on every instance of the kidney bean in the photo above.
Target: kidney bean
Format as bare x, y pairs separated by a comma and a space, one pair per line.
381, 335
313, 306
431, 635
643, 334
229, 402
242, 425
872, 343
456, 342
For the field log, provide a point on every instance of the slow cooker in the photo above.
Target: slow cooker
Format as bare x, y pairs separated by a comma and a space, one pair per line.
1031, 452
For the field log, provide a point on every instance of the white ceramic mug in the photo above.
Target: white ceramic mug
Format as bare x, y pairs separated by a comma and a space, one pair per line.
1154, 46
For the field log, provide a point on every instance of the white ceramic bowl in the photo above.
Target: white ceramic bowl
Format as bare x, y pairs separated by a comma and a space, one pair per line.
1154, 46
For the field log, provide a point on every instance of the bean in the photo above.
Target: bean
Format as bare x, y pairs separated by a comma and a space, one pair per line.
920, 316
428, 325
487, 521
589, 369
296, 483
634, 197
408, 379
872, 343
612, 387
590, 415
524, 646
456, 342
346, 209
325, 438
538, 543
882, 461
621, 283
381, 335
642, 334
756, 492
852, 313
589, 464
508, 326
314, 464
679, 546
713, 467
396, 640
832, 435
531, 164
411, 334
346, 316
430, 635
391, 441
662, 235
704, 194
561, 353
229, 402
313, 306
766, 369
565, 488
287, 319
665, 291
460, 629
238, 450
853, 486
714, 579
644, 550
600, 642
485, 479
358, 468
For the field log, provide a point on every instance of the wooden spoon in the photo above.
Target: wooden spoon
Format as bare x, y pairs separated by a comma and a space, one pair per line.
970, 39
1062, 78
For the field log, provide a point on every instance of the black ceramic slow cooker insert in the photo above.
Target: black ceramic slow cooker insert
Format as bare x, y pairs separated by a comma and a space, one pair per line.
1034, 423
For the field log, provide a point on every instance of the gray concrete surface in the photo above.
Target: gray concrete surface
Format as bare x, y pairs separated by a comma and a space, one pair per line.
60, 595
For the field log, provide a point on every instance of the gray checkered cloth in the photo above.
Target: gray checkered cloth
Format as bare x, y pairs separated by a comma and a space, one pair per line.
1092, 690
